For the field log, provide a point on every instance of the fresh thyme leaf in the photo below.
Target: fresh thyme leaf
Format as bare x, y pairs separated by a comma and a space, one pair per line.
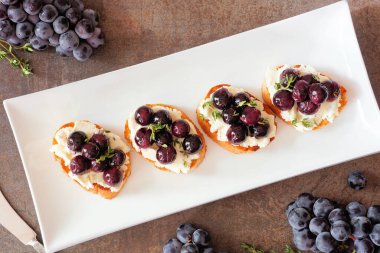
250, 248
202, 117
205, 104
307, 123
251, 103
156, 128
264, 121
290, 80
294, 122
216, 114
107, 131
185, 163
278, 86
108, 154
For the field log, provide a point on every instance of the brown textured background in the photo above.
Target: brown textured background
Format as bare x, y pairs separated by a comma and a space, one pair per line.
140, 30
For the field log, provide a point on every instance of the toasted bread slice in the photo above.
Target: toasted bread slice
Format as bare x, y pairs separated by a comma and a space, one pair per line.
324, 122
97, 189
205, 125
194, 163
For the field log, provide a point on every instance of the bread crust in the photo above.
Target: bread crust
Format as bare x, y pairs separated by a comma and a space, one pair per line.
205, 125
97, 189
194, 163
323, 123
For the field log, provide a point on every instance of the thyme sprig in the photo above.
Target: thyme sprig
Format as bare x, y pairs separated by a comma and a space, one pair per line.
215, 113
7, 52
108, 154
305, 122
290, 79
251, 103
156, 128
252, 249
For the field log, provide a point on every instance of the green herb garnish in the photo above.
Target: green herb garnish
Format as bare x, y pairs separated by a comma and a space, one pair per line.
305, 122
7, 53
107, 131
251, 103
156, 128
205, 104
185, 163
290, 79
252, 249
216, 114
108, 154
202, 117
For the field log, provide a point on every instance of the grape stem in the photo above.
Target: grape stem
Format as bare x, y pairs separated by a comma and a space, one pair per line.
7, 53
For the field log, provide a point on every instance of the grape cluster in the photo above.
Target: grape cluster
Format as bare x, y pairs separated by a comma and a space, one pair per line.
322, 225
63, 24
189, 240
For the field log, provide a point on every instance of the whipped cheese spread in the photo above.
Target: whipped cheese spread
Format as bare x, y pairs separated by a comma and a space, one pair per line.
89, 177
183, 161
327, 110
219, 126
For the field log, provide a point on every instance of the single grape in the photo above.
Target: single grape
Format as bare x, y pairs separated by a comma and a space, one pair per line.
192, 144
375, 235
61, 25
101, 141
299, 218
303, 239
201, 237
309, 78
338, 214
16, 13
300, 91
184, 232
236, 134
3, 12
91, 151
79, 164
259, 130
54, 40
143, 115
364, 246
172, 246
340, 230
91, 15
43, 30
34, 19
78, 4
73, 15
230, 115
69, 41
83, 52
250, 116
76, 140
38, 43
32, 7
240, 98
14, 40
355, 209
118, 158
283, 100
189, 248
322, 207
361, 226
163, 137
142, 138
221, 98
180, 128
97, 39
325, 242
306, 200
373, 214
85, 28
307, 107
6, 29
332, 90
356, 180
99, 166
318, 225
62, 5
290, 207
112, 176
162, 117
317, 94
63, 53
48, 13
166, 155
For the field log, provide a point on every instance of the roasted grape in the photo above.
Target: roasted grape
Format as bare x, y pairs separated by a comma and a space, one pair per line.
236, 134
79, 164
250, 116
166, 155
300, 91
180, 128
143, 115
192, 144
118, 158
101, 141
317, 94
230, 115
162, 117
332, 90
73, 15
62, 5
308, 107
221, 98
283, 100
112, 176
143, 138
76, 140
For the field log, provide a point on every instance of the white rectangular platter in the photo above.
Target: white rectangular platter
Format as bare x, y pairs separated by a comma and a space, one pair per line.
323, 38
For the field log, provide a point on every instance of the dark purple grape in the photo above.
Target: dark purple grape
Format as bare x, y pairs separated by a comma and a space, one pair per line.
180, 128
355, 209
43, 30
289, 74
340, 230
283, 100
309, 78
240, 98
90, 151
375, 235
163, 137
69, 41
85, 28
290, 207
162, 117
308, 107
38, 43
299, 218
166, 155
236, 134
118, 158
99, 166
76, 140
79, 164
361, 227
184, 232
112, 176
48, 13
6, 29
61, 25
73, 15
32, 7
306, 200
325, 242
172, 246
304, 239
230, 115
63, 53
34, 19
259, 130
78, 4
201, 238
317, 94
356, 180
91, 15
9, 2
318, 225
338, 214
16, 13
192, 144
250, 116
221, 98
101, 141
24, 30
373, 214
189, 248
83, 52
62, 5
142, 138
54, 40
143, 115
300, 91
332, 90
364, 246
3, 12
14, 40
97, 39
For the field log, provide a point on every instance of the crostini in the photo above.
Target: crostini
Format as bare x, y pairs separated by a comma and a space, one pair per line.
235, 119
98, 160
303, 97
166, 137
